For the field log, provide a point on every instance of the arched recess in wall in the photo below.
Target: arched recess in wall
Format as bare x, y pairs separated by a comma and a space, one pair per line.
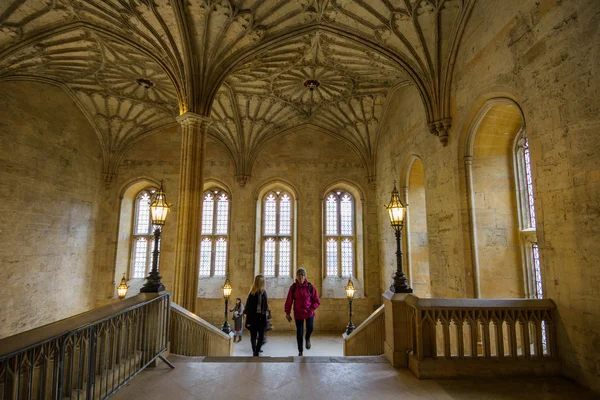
124, 256
415, 236
276, 242
492, 200
335, 281
218, 233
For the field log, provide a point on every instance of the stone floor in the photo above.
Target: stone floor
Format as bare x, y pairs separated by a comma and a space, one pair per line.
299, 378
282, 344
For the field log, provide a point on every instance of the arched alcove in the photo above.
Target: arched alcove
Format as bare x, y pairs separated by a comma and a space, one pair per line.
493, 200
416, 230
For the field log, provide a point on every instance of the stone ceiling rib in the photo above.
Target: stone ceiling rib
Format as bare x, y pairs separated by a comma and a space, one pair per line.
241, 61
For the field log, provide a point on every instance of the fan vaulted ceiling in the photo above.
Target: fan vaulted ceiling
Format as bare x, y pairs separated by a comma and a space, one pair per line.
133, 65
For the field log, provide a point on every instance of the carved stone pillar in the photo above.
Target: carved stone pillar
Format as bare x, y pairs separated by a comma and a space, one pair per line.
189, 209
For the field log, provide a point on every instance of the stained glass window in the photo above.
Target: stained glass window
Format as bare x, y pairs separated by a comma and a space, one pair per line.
215, 229
539, 291
535, 254
143, 239
339, 233
277, 220
529, 183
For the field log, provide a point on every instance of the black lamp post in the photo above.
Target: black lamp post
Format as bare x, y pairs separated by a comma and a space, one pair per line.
226, 293
159, 210
350, 290
397, 211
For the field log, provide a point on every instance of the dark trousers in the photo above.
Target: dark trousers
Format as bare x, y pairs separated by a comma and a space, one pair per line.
257, 332
300, 330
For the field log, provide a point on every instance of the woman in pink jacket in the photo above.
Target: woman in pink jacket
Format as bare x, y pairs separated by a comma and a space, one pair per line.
305, 299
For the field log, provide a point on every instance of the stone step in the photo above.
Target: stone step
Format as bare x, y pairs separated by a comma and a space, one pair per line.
291, 359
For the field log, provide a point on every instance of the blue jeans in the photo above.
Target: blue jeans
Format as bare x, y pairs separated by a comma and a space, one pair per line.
300, 330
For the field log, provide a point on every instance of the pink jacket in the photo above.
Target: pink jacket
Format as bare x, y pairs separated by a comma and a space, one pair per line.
304, 304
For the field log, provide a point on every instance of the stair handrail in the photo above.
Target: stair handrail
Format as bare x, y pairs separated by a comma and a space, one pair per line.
67, 356
376, 318
185, 340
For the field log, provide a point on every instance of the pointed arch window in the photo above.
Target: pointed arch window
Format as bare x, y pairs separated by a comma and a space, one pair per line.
340, 234
527, 223
277, 233
215, 233
143, 243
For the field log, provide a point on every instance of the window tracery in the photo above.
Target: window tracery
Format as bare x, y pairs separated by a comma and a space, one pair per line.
277, 236
340, 234
215, 233
142, 236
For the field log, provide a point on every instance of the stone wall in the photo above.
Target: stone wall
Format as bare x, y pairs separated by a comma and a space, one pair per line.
405, 135
308, 161
51, 174
543, 55
416, 229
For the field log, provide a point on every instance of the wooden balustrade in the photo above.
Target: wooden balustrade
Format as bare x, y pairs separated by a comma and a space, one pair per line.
368, 338
480, 337
192, 336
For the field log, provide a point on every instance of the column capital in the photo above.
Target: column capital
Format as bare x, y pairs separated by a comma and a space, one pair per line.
190, 117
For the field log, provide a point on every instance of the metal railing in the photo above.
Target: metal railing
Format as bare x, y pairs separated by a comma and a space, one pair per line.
89, 356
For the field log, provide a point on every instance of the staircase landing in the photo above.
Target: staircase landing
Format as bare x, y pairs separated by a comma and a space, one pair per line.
195, 380
283, 344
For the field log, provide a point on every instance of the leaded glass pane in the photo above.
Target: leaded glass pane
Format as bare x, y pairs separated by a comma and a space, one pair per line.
285, 251
529, 182
220, 257
331, 215
269, 257
347, 258
140, 257
285, 215
270, 215
346, 215
143, 216
332, 257
539, 293
222, 214
535, 253
205, 255
207, 214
